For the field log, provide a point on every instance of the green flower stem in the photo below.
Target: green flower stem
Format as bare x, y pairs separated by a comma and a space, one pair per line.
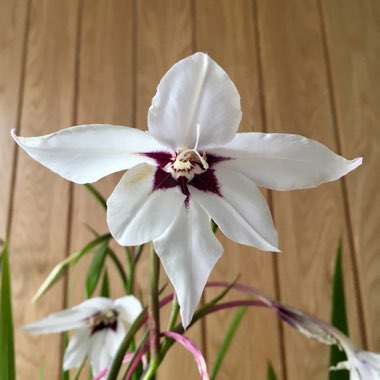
174, 314
199, 314
137, 373
125, 344
154, 316
131, 270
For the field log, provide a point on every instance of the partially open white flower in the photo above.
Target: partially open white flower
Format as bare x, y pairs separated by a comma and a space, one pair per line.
190, 167
100, 329
363, 365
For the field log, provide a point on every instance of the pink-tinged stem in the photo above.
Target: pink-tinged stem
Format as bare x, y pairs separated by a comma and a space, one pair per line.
232, 304
193, 349
137, 360
242, 288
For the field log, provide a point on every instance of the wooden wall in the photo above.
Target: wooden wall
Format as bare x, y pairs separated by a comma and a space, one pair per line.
310, 67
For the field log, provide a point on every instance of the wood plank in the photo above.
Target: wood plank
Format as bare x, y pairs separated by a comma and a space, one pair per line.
105, 96
164, 36
13, 25
226, 31
353, 30
39, 222
309, 222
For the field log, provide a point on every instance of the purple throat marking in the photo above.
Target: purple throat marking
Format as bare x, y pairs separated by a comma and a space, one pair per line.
205, 181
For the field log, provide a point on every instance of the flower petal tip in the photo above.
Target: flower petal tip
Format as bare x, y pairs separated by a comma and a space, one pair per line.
356, 162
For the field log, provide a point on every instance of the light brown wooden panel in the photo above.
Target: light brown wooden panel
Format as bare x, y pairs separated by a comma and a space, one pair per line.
309, 222
13, 25
39, 221
105, 96
353, 30
164, 36
226, 31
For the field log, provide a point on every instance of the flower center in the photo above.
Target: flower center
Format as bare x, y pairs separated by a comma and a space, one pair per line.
103, 320
188, 162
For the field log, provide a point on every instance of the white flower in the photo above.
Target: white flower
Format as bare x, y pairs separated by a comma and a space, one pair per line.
100, 329
363, 365
190, 167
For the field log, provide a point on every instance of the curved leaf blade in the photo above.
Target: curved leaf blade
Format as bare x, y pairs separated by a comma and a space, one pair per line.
7, 356
338, 316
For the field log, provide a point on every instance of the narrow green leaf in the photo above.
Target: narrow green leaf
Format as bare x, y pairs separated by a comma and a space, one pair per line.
339, 316
227, 340
271, 375
119, 268
105, 290
65, 375
91, 189
41, 371
61, 268
7, 357
95, 269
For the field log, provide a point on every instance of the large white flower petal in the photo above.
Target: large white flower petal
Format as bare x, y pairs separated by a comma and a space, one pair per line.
284, 161
241, 211
188, 250
77, 349
103, 347
86, 153
99, 355
129, 308
114, 338
62, 321
136, 212
70, 319
195, 91
371, 358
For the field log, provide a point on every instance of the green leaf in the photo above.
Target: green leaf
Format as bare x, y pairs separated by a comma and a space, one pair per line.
7, 357
95, 269
271, 375
339, 316
119, 267
227, 340
65, 375
91, 189
41, 371
105, 290
61, 268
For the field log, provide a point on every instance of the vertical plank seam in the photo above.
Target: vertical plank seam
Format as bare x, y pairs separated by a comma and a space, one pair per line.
358, 283
20, 105
134, 61
203, 323
262, 101
70, 206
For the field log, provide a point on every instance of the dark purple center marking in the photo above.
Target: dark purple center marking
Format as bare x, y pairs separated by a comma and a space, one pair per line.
161, 158
205, 181
101, 322
104, 325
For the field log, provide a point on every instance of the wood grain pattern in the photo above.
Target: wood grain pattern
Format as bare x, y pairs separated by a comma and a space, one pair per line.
310, 222
39, 220
353, 31
302, 66
13, 25
105, 95
226, 31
